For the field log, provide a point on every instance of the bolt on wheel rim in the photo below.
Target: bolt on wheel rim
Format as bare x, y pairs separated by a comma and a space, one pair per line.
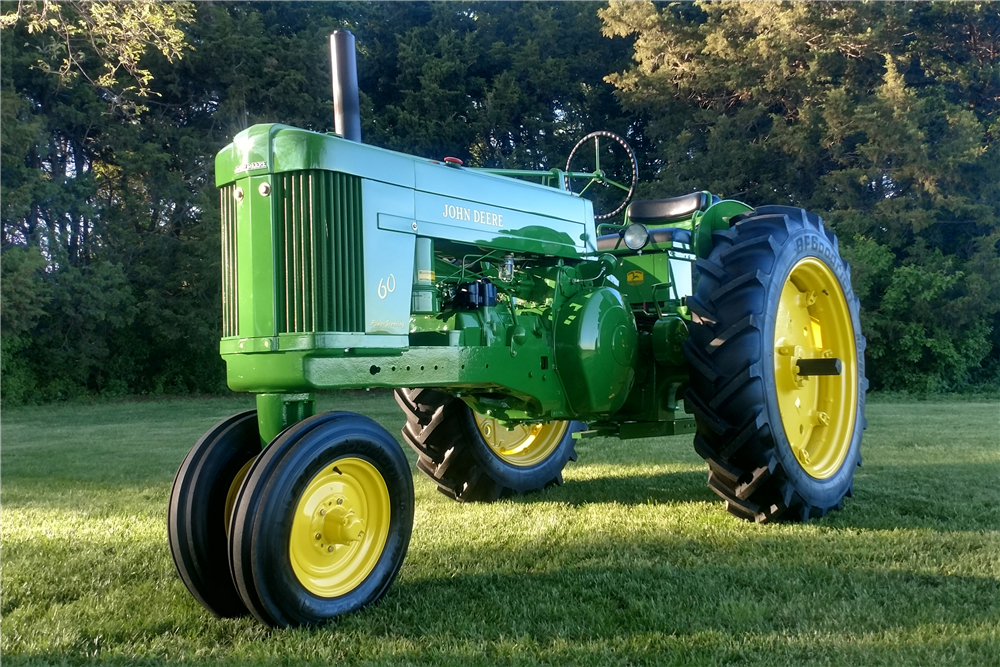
817, 411
523, 444
340, 527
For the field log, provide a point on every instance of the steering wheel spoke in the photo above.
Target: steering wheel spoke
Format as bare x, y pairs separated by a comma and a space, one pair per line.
589, 183
616, 184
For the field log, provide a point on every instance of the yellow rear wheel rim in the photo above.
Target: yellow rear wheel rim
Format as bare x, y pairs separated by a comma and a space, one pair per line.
817, 412
340, 527
521, 445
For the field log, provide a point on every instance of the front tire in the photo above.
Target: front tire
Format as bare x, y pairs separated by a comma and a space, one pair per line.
780, 441
473, 458
322, 522
201, 503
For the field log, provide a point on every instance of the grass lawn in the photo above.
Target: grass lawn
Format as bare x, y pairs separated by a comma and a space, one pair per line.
632, 561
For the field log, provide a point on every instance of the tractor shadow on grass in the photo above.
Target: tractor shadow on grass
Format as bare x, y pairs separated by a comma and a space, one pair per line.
652, 489
937, 498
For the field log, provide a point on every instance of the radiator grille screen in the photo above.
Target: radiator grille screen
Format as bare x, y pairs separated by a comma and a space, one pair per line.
318, 252
230, 302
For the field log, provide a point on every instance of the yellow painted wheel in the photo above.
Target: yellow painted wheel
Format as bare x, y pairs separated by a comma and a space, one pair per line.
777, 370
817, 411
340, 527
523, 445
322, 521
474, 458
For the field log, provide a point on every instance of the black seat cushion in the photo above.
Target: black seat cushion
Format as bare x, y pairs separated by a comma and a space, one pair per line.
662, 210
661, 235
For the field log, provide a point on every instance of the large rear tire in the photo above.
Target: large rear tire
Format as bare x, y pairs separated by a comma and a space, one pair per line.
201, 504
780, 439
473, 458
322, 522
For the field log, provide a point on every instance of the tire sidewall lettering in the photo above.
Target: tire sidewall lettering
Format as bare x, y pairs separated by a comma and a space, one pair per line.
813, 245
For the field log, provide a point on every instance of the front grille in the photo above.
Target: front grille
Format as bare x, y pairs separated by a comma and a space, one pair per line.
318, 252
230, 301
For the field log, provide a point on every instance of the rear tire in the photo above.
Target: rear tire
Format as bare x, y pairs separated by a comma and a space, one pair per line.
201, 502
775, 290
322, 522
453, 452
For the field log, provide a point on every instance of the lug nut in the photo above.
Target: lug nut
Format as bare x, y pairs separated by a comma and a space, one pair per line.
340, 501
319, 536
330, 548
322, 512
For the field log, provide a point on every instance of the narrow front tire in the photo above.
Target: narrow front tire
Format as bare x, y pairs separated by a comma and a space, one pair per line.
200, 509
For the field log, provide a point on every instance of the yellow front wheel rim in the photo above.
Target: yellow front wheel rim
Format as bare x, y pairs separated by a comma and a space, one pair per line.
521, 445
818, 412
234, 490
340, 527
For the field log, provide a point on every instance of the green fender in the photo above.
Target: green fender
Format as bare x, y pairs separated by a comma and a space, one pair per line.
715, 219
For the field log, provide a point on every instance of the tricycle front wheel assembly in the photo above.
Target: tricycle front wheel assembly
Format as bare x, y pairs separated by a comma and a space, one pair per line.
322, 522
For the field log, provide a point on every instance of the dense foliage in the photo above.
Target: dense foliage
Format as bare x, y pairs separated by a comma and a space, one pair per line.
881, 116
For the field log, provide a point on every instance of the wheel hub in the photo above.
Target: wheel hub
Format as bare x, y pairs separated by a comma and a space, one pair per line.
336, 525
815, 368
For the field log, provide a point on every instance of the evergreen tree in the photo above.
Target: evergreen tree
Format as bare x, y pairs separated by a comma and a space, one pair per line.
882, 116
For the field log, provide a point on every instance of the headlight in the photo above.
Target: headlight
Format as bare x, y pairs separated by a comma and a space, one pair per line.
636, 237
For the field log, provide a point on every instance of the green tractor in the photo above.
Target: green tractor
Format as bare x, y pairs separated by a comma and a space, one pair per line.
509, 321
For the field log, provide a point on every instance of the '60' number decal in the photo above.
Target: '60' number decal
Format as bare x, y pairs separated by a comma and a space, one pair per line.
386, 286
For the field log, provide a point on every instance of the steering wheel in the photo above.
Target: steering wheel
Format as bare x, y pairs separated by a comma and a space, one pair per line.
612, 181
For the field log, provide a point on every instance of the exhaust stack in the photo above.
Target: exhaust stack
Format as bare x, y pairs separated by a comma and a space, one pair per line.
346, 108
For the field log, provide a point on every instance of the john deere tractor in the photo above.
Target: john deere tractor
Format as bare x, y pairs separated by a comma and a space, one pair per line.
510, 320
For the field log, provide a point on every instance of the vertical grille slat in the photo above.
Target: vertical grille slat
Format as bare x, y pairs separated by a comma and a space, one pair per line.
230, 302
293, 250
319, 253
308, 284
358, 297
339, 242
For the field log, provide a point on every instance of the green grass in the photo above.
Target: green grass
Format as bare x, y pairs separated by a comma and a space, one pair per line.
632, 561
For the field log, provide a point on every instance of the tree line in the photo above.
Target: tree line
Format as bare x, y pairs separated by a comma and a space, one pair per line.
882, 117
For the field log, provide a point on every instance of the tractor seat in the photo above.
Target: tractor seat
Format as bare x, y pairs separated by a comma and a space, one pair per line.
658, 211
661, 235
664, 210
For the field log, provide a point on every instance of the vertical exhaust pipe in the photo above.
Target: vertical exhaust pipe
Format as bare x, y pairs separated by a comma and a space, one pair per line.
346, 107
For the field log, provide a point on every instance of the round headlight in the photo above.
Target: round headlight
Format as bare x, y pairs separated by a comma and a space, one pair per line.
636, 237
